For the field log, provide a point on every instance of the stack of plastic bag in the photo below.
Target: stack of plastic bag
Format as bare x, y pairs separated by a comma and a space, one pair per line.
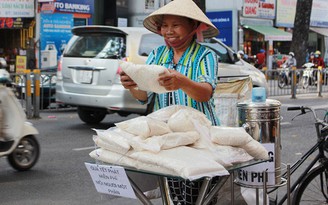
176, 141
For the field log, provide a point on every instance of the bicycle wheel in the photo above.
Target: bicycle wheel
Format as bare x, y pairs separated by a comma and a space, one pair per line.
313, 189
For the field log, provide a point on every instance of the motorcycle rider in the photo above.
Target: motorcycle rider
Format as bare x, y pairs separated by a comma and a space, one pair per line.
291, 61
4, 77
260, 58
243, 56
318, 60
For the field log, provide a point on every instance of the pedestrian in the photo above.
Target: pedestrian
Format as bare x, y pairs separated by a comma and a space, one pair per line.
192, 76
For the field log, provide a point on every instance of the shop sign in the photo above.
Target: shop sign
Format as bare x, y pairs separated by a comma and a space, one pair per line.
259, 8
11, 23
48, 7
223, 21
16, 8
319, 13
75, 6
285, 13
20, 64
286, 10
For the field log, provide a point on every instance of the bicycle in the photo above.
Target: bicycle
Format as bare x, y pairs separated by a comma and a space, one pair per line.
311, 187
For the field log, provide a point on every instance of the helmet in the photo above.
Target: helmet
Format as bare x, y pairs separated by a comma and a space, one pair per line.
240, 52
262, 51
318, 53
291, 53
4, 76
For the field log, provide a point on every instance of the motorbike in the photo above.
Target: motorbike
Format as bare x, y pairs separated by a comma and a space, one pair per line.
309, 75
285, 76
18, 140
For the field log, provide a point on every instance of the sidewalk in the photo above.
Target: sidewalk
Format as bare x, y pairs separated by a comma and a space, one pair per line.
312, 100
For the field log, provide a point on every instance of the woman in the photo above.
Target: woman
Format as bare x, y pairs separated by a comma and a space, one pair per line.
192, 71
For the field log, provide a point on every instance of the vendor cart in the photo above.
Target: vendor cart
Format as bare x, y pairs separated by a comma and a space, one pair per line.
205, 195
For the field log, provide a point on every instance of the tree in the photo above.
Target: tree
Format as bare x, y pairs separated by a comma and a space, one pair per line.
301, 30
201, 4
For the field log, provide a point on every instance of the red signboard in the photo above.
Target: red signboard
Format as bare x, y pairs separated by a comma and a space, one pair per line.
11, 23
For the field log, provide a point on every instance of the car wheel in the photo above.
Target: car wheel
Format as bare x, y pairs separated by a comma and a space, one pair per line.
91, 115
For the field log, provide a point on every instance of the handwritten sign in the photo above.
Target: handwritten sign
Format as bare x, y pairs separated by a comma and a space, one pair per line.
110, 180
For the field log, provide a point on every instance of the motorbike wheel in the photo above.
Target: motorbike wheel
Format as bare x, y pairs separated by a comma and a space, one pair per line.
26, 154
281, 81
305, 82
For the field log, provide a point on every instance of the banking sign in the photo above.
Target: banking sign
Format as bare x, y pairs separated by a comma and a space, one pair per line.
223, 21
74, 6
55, 32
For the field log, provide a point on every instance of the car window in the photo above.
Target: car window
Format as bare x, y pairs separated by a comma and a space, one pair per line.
219, 50
149, 42
97, 45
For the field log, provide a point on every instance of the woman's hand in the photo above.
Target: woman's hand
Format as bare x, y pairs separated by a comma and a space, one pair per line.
171, 81
126, 81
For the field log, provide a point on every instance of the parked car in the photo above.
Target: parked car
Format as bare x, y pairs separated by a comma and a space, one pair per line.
231, 66
88, 72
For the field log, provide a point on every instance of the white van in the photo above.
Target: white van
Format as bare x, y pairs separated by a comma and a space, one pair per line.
88, 73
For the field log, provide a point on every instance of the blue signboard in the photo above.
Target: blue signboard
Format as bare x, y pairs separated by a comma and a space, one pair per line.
55, 32
74, 6
223, 21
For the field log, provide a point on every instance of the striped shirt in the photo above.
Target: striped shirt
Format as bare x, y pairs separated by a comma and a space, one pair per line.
198, 63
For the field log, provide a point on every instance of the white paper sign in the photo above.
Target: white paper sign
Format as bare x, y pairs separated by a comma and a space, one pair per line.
253, 175
110, 180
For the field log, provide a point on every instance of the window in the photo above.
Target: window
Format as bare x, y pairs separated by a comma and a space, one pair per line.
97, 45
149, 42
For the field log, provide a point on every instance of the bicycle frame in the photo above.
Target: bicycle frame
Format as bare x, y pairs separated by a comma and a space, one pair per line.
320, 157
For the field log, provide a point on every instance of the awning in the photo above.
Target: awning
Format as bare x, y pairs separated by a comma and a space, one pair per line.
322, 31
271, 33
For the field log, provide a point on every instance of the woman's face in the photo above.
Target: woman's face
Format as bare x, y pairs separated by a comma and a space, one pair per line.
174, 28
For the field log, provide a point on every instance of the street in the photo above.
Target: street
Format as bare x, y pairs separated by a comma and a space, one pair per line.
61, 178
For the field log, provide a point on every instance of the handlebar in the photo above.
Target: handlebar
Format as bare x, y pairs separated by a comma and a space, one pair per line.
305, 109
320, 124
294, 108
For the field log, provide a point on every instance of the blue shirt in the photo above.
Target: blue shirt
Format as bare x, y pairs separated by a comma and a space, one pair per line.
198, 63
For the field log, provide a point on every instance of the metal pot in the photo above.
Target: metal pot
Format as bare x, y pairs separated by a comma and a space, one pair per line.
262, 122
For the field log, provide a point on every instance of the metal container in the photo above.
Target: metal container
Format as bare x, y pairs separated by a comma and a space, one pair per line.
262, 122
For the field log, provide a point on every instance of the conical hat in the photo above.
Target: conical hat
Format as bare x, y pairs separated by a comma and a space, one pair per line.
184, 8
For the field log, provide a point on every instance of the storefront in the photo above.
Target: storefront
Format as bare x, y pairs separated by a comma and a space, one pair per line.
17, 31
261, 34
